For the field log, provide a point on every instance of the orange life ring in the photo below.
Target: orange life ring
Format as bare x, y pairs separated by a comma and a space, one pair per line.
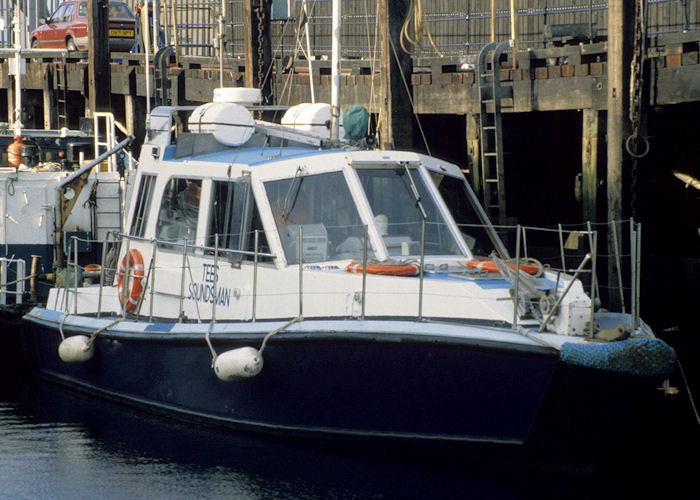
410, 269
490, 266
93, 268
136, 269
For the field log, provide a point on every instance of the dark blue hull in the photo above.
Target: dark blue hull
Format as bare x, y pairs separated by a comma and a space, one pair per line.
346, 385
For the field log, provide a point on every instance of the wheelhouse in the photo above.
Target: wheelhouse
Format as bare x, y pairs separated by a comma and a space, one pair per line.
338, 205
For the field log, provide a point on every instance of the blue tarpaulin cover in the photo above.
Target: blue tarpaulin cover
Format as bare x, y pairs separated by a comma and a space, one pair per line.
355, 120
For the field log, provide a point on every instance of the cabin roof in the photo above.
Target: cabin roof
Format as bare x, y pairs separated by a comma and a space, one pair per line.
250, 156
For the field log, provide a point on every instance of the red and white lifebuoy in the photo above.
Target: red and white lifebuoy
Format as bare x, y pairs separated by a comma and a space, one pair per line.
530, 266
409, 269
134, 281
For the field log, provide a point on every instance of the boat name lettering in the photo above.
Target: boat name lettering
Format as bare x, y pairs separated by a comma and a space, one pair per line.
209, 272
320, 268
203, 292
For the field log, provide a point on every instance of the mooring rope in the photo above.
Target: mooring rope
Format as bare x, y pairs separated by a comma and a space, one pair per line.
100, 330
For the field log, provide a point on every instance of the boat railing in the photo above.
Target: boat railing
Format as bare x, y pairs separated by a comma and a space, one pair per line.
562, 249
14, 288
613, 274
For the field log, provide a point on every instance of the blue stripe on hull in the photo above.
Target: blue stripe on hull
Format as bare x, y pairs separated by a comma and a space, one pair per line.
427, 389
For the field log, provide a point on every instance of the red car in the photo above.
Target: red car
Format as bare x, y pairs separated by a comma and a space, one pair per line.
67, 27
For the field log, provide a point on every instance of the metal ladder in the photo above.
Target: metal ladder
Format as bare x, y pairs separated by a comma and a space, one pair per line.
491, 95
108, 203
61, 69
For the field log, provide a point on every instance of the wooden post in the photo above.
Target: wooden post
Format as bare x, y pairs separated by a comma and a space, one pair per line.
474, 152
49, 101
589, 163
256, 34
620, 39
11, 99
395, 114
99, 81
130, 113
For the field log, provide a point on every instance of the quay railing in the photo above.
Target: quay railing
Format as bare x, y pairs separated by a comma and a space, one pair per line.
571, 250
456, 27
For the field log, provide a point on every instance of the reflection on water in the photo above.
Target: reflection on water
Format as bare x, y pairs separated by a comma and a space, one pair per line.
56, 444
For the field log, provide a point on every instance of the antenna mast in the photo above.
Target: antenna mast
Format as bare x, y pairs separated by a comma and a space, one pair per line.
335, 71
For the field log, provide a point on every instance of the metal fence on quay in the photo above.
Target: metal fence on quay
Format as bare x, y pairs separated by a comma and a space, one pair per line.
448, 27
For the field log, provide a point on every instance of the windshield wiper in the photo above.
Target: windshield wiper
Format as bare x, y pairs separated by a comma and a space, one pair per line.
414, 192
290, 198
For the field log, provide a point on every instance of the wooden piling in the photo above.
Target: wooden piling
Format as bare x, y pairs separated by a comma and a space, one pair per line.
589, 163
49, 101
474, 151
396, 68
257, 46
99, 78
620, 43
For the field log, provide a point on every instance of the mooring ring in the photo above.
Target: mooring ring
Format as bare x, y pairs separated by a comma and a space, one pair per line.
636, 138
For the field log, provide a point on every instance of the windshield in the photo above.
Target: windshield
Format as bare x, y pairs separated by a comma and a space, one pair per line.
321, 205
398, 215
453, 191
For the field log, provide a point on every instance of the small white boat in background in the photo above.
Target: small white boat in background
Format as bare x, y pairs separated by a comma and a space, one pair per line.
50, 194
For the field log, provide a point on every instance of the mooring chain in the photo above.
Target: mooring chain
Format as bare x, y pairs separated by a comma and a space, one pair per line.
635, 140
636, 84
261, 62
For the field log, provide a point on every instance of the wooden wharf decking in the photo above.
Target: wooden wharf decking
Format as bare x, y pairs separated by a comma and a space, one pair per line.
551, 79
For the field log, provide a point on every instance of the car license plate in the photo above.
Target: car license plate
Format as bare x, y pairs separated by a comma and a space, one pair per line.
122, 33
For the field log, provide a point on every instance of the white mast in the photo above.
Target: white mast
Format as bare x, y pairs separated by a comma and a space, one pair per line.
17, 29
335, 71
146, 50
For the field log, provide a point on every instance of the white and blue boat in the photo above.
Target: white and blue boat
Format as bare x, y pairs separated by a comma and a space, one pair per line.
277, 280
290, 279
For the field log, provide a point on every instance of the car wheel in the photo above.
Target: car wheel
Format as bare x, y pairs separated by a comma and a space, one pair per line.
70, 44
35, 45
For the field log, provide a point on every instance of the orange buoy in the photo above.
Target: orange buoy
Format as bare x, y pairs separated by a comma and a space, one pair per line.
133, 293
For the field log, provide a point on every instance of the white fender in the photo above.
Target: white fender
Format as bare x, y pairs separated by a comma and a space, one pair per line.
243, 362
75, 349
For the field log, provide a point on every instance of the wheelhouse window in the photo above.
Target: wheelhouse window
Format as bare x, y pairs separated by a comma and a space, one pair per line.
454, 192
143, 205
398, 216
234, 220
179, 210
322, 207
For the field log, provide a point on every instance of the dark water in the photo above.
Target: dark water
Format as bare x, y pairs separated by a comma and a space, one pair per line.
62, 445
